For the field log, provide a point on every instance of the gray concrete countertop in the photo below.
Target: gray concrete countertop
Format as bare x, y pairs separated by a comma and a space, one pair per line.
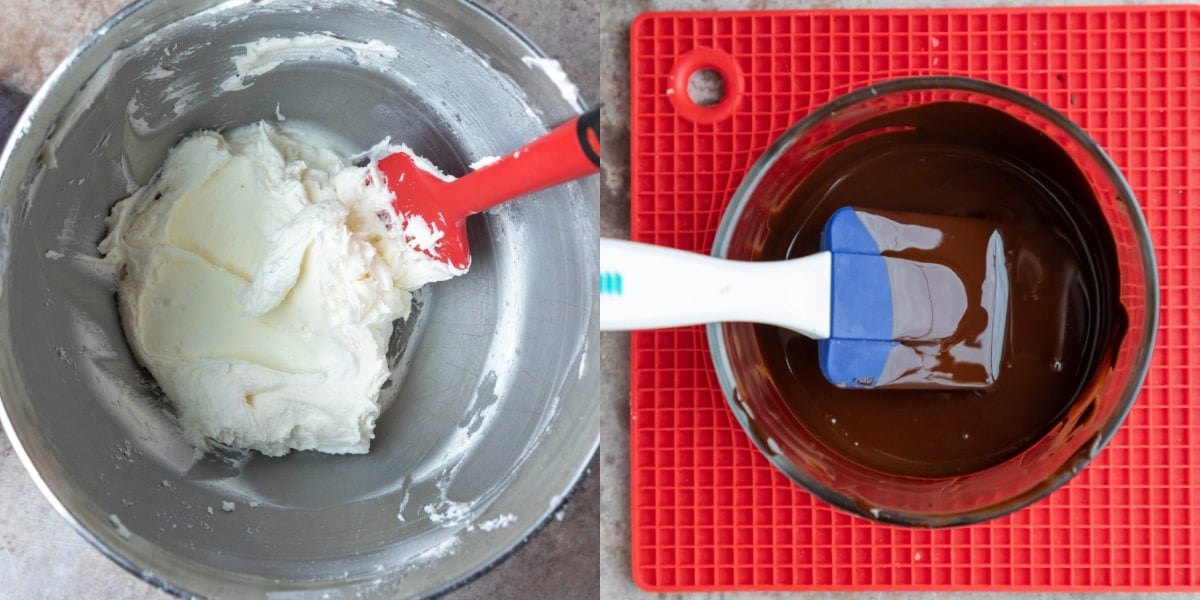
42, 557
615, 571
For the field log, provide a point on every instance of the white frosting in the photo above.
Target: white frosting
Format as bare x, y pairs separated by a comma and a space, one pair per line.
259, 284
484, 161
499, 522
264, 55
118, 526
553, 69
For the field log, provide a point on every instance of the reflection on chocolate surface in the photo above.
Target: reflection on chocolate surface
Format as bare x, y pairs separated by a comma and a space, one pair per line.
961, 160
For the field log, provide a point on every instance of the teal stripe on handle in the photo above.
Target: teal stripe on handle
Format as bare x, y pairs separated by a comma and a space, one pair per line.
610, 283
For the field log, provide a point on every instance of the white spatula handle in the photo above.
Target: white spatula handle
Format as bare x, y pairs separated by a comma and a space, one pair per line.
647, 287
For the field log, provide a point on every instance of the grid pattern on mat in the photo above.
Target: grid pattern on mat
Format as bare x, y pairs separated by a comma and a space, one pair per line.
708, 512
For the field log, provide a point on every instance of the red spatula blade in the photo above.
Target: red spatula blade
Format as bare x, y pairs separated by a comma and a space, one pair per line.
432, 222
433, 212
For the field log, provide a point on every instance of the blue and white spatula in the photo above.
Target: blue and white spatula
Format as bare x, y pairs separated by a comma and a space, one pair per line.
880, 321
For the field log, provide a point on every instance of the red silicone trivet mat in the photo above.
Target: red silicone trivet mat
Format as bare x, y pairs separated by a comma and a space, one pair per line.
708, 512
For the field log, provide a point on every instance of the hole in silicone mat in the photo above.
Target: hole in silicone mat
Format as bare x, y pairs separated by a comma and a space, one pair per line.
706, 87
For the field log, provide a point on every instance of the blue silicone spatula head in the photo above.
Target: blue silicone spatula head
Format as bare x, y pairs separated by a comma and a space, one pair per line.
918, 301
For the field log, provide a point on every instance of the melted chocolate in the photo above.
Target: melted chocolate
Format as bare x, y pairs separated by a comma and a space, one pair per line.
960, 160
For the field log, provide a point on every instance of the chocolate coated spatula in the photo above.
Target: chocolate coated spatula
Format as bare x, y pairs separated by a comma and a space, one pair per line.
570, 151
894, 299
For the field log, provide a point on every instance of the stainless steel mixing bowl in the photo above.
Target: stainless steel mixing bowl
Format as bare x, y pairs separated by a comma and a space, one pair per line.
494, 417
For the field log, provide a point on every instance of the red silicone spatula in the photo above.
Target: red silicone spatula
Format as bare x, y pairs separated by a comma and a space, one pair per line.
570, 151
